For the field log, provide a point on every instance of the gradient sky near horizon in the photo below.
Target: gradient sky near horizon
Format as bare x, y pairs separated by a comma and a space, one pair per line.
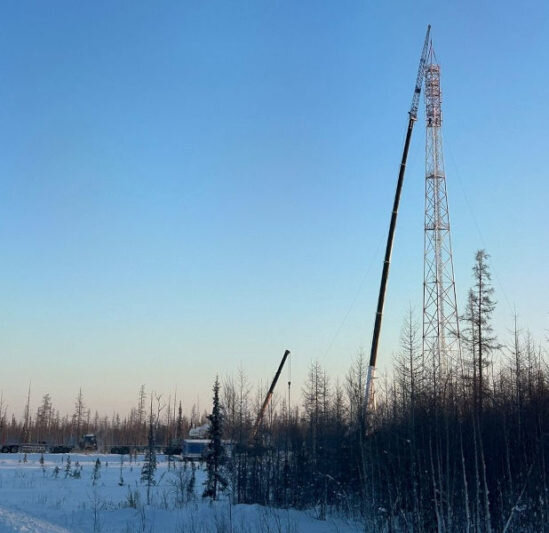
191, 187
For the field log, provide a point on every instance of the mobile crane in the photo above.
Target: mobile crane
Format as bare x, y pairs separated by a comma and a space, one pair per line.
369, 396
268, 398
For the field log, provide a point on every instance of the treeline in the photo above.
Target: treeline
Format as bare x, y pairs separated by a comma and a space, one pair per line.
453, 446
47, 425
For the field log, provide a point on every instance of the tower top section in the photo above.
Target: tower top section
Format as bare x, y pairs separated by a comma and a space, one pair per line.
433, 96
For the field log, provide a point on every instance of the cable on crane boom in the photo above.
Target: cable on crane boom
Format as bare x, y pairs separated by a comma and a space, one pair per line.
420, 75
369, 395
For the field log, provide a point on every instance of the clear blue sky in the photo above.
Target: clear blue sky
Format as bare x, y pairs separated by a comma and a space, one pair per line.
186, 187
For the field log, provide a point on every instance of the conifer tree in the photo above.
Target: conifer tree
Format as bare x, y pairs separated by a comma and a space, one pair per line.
191, 483
215, 455
68, 466
479, 331
149, 466
96, 474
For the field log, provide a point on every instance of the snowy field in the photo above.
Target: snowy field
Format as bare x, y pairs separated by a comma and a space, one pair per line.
59, 496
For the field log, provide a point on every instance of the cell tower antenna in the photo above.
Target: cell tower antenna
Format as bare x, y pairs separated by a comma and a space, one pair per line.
369, 396
441, 339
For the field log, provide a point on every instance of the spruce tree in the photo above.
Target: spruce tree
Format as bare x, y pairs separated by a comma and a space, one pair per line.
479, 332
96, 474
215, 454
149, 466
68, 466
191, 483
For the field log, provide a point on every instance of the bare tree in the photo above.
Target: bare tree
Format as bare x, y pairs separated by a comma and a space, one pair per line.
140, 414
26, 431
44, 416
3, 413
79, 413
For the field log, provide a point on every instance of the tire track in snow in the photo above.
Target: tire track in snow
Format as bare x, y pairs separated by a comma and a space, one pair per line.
18, 522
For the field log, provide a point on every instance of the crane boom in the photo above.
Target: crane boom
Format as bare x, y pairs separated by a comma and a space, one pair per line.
389, 248
419, 78
269, 396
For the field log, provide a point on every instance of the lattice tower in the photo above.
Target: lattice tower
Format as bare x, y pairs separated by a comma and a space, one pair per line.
441, 340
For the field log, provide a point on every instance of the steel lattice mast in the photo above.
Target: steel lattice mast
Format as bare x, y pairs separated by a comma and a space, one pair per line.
441, 340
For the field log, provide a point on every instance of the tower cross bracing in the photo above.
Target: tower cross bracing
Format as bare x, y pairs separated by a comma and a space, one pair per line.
441, 339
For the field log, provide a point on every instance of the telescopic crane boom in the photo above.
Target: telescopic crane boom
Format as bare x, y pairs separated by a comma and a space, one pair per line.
389, 248
269, 396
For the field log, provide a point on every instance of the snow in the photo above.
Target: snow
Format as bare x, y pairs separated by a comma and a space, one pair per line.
35, 500
19, 521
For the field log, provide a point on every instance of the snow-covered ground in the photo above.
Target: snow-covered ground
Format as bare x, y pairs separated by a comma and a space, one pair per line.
54, 498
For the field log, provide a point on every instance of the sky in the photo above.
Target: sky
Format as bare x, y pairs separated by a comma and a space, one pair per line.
190, 188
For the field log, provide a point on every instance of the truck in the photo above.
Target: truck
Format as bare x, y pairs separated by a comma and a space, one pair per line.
88, 442
25, 447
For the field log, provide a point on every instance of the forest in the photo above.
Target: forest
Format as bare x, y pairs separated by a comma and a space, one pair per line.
451, 446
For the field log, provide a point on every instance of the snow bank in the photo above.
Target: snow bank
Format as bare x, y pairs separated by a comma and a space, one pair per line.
58, 495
